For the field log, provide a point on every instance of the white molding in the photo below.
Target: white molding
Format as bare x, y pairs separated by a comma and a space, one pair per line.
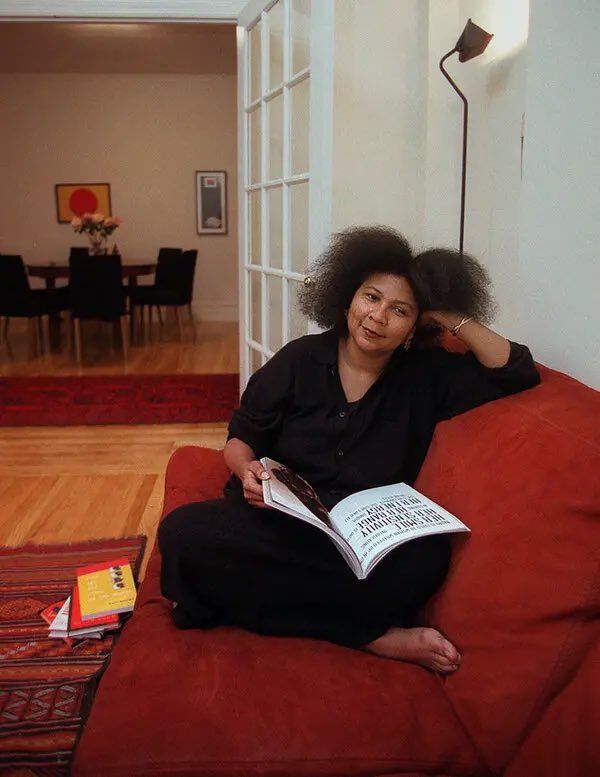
215, 311
242, 98
251, 11
194, 10
321, 129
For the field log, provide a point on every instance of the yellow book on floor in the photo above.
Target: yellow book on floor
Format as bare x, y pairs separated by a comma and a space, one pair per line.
106, 588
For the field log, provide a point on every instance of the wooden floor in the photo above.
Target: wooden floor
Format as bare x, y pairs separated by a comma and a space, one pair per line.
215, 351
64, 484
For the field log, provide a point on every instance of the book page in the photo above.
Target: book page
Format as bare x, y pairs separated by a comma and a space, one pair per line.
378, 519
61, 622
287, 489
290, 493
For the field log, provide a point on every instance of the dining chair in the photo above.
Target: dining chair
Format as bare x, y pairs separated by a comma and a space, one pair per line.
79, 251
165, 255
97, 293
19, 300
173, 287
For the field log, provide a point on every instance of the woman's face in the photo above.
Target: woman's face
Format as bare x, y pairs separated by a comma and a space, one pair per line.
382, 314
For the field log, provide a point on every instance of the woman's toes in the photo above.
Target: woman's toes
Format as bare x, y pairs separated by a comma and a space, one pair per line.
448, 650
445, 665
443, 668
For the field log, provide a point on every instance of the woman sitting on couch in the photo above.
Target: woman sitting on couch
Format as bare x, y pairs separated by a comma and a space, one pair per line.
349, 409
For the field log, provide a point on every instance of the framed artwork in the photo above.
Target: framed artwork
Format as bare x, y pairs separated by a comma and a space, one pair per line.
75, 199
211, 202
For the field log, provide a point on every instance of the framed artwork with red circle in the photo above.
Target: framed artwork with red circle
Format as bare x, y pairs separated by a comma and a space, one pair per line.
75, 199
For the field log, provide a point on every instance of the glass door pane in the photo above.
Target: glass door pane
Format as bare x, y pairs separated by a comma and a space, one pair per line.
275, 227
255, 156
298, 322
255, 61
254, 227
275, 20
255, 307
300, 94
276, 137
299, 227
300, 23
275, 304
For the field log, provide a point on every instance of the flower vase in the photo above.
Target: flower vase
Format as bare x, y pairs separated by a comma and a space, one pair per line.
97, 245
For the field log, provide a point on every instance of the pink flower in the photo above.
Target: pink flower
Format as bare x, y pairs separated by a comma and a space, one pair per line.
111, 223
76, 222
97, 218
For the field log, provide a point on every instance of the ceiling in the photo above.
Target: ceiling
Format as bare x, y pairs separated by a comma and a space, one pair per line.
107, 47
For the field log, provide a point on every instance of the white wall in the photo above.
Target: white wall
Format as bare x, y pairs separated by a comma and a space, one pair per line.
380, 79
560, 218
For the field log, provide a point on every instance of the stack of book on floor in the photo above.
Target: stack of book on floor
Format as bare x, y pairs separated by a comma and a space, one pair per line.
100, 594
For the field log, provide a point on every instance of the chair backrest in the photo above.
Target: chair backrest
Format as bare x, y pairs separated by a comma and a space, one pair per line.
96, 286
167, 268
15, 294
79, 251
187, 276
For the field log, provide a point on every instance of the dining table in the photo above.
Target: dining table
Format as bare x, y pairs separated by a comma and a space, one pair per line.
131, 270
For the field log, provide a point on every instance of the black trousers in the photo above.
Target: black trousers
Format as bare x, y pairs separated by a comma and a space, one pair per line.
227, 563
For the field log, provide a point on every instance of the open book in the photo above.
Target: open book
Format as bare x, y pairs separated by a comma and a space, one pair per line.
365, 526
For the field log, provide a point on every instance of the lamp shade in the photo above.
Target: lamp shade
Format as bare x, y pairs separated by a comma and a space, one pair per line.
472, 42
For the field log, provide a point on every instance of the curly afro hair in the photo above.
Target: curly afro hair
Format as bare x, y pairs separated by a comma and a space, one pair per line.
440, 278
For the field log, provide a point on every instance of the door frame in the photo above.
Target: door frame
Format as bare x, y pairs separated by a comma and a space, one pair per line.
216, 11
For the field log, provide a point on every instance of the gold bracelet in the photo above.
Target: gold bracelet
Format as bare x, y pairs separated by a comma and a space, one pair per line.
464, 320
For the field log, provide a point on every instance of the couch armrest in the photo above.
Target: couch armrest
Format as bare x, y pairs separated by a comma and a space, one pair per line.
193, 475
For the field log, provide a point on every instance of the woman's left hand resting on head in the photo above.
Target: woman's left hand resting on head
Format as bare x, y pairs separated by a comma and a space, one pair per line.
491, 349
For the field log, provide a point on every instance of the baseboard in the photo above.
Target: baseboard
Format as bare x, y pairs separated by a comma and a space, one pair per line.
215, 311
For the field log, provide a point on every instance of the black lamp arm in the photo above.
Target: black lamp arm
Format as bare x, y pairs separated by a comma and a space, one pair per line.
464, 147
447, 75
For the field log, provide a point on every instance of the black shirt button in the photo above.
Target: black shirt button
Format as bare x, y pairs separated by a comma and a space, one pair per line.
340, 452
342, 414
331, 371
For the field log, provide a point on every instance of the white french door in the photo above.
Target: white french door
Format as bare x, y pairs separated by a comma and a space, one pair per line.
284, 165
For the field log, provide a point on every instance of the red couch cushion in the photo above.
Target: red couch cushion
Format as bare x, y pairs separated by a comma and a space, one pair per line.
565, 741
523, 589
226, 702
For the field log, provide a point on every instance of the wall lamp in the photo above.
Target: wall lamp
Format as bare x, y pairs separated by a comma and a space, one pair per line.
472, 42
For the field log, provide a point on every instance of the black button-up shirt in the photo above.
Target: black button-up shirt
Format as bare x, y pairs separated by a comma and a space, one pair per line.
294, 410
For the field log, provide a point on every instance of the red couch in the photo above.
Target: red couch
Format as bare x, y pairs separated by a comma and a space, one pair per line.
522, 602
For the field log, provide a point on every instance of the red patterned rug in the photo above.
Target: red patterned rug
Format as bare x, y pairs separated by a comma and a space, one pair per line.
118, 399
47, 687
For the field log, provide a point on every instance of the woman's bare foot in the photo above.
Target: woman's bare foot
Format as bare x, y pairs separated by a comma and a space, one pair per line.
419, 645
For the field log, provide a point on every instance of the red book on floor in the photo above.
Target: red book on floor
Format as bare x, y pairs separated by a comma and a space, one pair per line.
75, 622
50, 612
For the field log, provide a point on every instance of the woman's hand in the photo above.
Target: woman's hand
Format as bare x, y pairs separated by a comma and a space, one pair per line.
252, 476
442, 318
